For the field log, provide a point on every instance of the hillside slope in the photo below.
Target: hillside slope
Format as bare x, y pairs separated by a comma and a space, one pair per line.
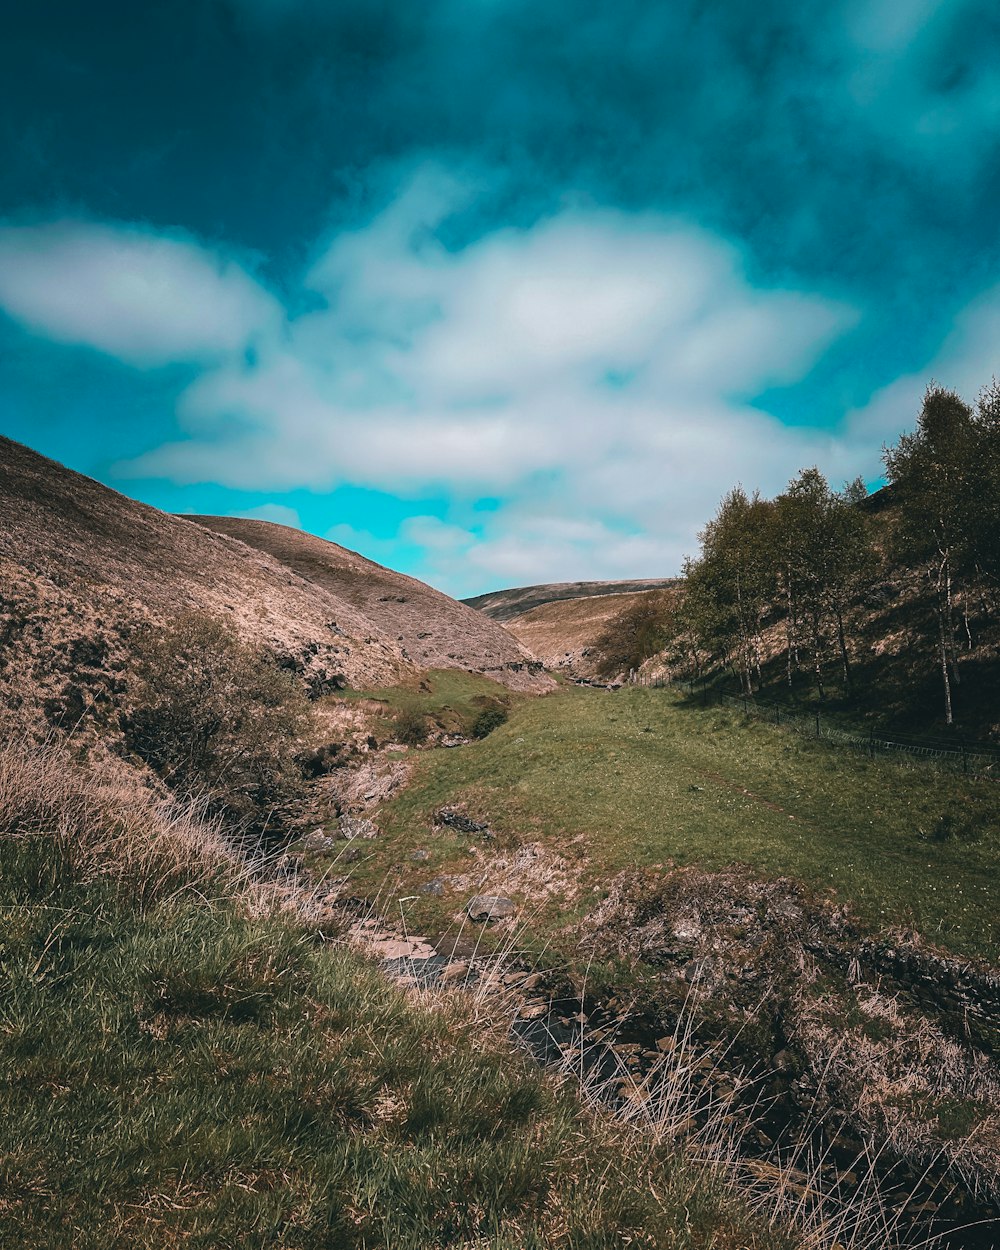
433, 630
562, 632
82, 566
504, 605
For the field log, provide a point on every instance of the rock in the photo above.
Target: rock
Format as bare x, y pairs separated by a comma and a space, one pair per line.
459, 821
352, 827
403, 948
420, 855
454, 971
489, 907
350, 856
533, 1011
318, 840
434, 887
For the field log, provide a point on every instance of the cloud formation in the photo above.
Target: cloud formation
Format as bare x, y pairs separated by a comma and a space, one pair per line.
596, 373
145, 298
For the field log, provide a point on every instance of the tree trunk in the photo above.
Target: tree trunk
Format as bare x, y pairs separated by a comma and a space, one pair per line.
950, 616
948, 718
844, 659
818, 657
789, 623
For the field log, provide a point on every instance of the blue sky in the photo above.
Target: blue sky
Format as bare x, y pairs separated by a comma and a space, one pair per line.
494, 292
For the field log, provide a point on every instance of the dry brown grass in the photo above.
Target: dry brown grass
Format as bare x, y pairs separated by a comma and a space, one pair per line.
103, 822
563, 632
434, 630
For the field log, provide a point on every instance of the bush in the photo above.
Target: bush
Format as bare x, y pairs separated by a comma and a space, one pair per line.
215, 717
635, 634
489, 718
411, 727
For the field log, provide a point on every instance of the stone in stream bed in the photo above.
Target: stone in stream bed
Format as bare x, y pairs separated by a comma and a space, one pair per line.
489, 907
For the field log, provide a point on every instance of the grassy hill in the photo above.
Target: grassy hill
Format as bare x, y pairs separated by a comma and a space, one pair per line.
187, 1064
563, 632
433, 630
504, 605
645, 777
787, 906
783, 956
83, 567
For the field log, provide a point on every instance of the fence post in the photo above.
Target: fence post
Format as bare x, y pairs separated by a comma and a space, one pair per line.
817, 722
871, 742
965, 758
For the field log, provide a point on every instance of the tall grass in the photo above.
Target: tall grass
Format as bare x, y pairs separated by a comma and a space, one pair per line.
67, 822
181, 1069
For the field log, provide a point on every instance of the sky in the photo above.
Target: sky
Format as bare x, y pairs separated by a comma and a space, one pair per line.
492, 291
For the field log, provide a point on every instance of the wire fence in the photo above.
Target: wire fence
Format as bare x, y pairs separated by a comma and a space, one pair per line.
977, 759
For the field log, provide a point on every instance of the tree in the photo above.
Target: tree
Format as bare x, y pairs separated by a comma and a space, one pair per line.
933, 472
634, 634
825, 551
730, 585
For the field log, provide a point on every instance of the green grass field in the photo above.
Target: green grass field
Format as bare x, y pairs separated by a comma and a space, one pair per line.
449, 697
179, 1071
641, 777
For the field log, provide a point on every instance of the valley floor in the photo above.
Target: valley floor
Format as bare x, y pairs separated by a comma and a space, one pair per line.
601, 782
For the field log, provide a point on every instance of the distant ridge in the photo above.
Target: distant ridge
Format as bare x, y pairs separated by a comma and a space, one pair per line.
504, 605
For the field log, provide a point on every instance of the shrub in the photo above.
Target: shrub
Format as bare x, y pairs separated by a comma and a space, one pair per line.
411, 727
489, 718
636, 633
215, 717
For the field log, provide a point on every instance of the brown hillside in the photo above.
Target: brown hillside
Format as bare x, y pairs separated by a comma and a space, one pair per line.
562, 631
81, 566
433, 630
504, 605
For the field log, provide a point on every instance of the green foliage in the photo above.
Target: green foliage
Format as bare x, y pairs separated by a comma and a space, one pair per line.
489, 718
215, 717
189, 1076
577, 771
410, 727
946, 478
635, 634
732, 581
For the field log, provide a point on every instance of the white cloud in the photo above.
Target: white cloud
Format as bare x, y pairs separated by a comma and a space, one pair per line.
965, 362
594, 372
585, 341
279, 513
147, 299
